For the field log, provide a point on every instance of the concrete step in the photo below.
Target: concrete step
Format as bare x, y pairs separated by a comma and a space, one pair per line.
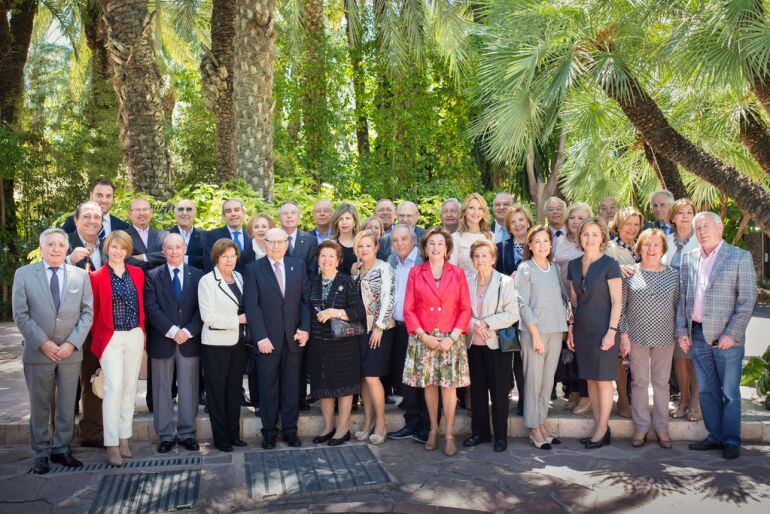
755, 428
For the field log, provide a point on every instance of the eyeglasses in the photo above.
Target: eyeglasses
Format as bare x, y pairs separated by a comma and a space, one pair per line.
184, 209
276, 242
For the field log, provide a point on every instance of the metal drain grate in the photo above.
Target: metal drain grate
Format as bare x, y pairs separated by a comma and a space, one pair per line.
148, 492
129, 464
280, 472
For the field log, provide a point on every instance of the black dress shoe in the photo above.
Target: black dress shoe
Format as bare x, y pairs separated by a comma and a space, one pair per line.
321, 439
389, 400
41, 466
239, 442
268, 444
227, 448
338, 441
96, 443
501, 445
731, 451
704, 445
606, 439
401, 433
190, 444
585, 440
165, 446
66, 459
475, 440
293, 441
303, 405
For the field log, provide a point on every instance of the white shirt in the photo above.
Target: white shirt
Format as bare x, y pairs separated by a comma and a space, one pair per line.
500, 234
241, 237
174, 329
402, 276
186, 235
144, 233
60, 274
292, 238
96, 254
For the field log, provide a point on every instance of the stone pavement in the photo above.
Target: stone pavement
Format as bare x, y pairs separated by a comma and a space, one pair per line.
617, 478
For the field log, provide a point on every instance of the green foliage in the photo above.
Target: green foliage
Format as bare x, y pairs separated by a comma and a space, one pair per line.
756, 373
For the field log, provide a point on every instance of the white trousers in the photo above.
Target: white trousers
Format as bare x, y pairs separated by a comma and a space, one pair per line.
120, 362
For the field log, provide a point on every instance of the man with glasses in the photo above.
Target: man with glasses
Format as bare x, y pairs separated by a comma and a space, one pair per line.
408, 215
147, 241
185, 212
385, 210
276, 294
233, 214
501, 204
322, 217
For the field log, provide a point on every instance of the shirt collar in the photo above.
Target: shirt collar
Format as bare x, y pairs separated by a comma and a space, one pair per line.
713, 253
272, 262
48, 265
142, 230
172, 268
185, 232
293, 235
412, 257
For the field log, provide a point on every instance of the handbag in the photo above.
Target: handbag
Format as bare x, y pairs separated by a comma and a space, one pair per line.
342, 329
97, 383
507, 338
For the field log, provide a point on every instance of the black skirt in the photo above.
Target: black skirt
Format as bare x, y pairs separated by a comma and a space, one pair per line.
375, 362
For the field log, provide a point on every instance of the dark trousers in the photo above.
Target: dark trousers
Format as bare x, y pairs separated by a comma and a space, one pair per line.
253, 388
91, 413
415, 411
490, 372
278, 384
223, 374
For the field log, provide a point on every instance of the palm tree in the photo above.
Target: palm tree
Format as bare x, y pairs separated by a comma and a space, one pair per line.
539, 55
139, 88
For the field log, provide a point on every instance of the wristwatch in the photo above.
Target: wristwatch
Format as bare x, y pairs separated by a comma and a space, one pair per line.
339, 313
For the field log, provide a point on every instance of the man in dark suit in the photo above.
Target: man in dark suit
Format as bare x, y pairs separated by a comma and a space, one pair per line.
147, 240
185, 212
103, 193
86, 253
407, 214
276, 296
233, 214
173, 342
302, 245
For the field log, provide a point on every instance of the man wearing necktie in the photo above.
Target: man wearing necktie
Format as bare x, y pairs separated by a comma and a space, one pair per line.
276, 298
173, 342
302, 245
53, 309
234, 215
555, 209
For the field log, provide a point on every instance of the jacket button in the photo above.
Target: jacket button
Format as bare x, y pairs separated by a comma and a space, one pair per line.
439, 309
431, 309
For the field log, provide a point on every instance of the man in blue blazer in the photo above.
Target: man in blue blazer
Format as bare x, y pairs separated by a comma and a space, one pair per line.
185, 212
233, 214
173, 341
276, 294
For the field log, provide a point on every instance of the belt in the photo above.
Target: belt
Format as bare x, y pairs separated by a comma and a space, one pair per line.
400, 323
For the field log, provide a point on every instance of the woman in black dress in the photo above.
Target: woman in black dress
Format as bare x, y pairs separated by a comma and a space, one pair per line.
596, 289
334, 364
345, 223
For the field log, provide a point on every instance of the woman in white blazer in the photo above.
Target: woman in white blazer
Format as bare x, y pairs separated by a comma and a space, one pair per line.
495, 307
223, 351
543, 323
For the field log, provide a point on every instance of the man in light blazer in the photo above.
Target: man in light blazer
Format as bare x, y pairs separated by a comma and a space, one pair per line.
53, 309
717, 298
173, 342
276, 298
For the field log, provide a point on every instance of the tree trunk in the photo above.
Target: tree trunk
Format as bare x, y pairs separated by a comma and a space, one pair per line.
755, 138
16, 21
352, 20
541, 190
667, 172
642, 111
139, 89
315, 121
253, 93
217, 72
101, 110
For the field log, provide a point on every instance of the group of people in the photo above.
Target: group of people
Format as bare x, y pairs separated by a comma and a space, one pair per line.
361, 308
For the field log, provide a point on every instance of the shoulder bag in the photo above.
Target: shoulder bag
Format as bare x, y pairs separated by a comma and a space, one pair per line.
342, 329
507, 338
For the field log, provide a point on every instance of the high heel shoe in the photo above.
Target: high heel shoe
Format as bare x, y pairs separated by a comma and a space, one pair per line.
606, 439
540, 446
377, 439
638, 442
363, 435
321, 439
585, 440
432, 441
334, 441
666, 443
450, 448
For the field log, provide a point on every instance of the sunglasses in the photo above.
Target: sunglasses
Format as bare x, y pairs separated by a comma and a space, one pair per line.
184, 209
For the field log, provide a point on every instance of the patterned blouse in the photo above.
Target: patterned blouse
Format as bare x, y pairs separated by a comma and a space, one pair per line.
649, 306
378, 290
125, 303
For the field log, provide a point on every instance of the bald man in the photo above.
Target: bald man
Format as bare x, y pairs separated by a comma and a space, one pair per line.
407, 214
322, 217
185, 212
147, 240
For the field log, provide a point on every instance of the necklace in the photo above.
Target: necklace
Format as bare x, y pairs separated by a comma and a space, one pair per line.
546, 270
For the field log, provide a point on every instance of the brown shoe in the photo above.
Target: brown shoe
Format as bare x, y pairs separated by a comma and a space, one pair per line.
639, 440
450, 449
572, 401
432, 441
664, 441
624, 411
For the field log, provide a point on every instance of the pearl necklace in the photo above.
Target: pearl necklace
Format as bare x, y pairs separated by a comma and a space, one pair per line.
546, 270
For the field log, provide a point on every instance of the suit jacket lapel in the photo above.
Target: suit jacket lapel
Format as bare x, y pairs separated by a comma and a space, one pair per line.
428, 277
224, 287
268, 269
45, 285
722, 258
138, 243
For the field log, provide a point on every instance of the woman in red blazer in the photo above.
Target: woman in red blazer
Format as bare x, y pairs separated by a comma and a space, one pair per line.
118, 341
437, 311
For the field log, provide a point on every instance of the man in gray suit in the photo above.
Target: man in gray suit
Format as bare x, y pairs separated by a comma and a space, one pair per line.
53, 308
717, 298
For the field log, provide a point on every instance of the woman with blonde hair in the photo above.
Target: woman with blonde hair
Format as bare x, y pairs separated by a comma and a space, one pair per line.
374, 225
257, 228
474, 225
345, 225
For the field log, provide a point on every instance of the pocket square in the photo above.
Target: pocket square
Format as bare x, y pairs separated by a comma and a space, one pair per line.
73, 291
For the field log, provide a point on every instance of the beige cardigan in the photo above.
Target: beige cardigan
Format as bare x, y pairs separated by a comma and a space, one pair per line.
508, 302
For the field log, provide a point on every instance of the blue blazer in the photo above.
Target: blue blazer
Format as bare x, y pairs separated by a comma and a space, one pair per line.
269, 314
214, 235
508, 259
194, 247
163, 310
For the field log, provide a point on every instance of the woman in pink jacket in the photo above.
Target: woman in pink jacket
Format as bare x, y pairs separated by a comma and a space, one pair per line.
437, 311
